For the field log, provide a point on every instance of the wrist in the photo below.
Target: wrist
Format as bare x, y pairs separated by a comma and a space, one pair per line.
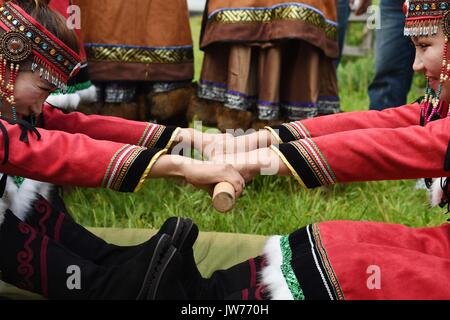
267, 162
174, 166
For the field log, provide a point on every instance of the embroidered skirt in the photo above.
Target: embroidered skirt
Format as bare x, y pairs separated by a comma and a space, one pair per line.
137, 40
274, 58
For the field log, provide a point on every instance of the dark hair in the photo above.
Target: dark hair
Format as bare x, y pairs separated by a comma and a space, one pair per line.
51, 20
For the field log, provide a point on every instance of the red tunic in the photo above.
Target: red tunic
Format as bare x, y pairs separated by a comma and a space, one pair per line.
87, 151
385, 145
363, 260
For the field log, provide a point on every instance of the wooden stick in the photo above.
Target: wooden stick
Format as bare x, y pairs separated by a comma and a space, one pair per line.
224, 197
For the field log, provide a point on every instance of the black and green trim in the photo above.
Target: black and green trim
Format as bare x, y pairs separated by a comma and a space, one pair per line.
311, 267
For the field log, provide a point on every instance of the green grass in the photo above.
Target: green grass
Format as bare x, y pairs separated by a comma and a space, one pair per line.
196, 25
269, 205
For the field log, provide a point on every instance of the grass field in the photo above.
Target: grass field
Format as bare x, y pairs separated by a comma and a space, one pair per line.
270, 205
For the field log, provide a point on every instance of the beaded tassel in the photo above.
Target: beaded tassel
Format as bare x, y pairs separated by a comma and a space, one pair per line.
48, 73
432, 105
7, 89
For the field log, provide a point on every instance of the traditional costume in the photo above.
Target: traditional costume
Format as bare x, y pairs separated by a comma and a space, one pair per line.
140, 56
341, 260
358, 260
38, 240
271, 58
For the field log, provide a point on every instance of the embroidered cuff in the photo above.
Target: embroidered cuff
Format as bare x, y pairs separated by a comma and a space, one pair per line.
129, 167
310, 264
158, 136
306, 163
298, 267
287, 132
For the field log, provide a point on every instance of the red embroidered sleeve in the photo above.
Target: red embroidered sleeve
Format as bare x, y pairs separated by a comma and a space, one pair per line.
370, 154
116, 129
403, 116
74, 159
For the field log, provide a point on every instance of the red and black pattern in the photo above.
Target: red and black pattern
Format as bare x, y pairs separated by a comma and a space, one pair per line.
307, 162
37, 263
128, 167
291, 131
157, 136
368, 146
23, 255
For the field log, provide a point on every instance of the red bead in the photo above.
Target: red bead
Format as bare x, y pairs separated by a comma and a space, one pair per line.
405, 7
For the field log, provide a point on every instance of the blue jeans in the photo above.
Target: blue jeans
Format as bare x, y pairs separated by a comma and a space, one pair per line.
342, 16
394, 57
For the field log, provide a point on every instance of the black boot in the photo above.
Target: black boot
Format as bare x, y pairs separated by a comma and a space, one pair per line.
34, 262
222, 283
52, 219
255, 293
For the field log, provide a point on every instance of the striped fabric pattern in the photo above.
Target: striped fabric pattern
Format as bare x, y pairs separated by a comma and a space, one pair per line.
309, 151
287, 132
326, 264
298, 130
311, 276
151, 135
120, 165
307, 163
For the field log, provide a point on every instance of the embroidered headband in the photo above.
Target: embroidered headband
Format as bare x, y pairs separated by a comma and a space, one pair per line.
24, 37
423, 17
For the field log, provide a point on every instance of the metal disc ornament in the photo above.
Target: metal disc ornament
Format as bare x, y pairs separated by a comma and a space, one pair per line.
15, 46
446, 24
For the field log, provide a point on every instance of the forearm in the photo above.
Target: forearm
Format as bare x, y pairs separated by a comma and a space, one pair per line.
170, 166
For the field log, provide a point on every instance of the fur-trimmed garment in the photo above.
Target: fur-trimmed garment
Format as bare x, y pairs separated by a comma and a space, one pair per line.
20, 199
363, 260
359, 260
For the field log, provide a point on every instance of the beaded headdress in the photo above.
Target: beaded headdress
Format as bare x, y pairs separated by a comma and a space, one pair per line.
423, 19
25, 38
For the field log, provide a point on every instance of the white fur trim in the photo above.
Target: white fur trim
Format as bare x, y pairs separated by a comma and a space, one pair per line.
88, 95
272, 276
64, 101
436, 192
19, 200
